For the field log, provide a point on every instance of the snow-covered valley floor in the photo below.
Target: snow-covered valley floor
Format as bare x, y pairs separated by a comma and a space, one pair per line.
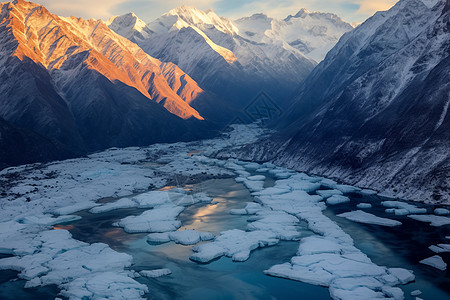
136, 223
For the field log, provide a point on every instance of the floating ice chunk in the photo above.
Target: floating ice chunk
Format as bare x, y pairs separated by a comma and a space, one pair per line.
404, 276
316, 276
440, 248
337, 199
121, 203
364, 205
432, 219
159, 219
262, 170
155, 273
347, 188
339, 265
253, 186
328, 193
316, 245
108, 285
190, 237
238, 211
239, 179
416, 293
236, 244
356, 294
403, 208
79, 269
363, 217
441, 211
394, 292
435, 261
397, 211
322, 269
158, 237
257, 178
367, 192
283, 225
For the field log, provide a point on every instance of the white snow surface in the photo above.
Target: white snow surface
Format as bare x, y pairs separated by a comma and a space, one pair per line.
44, 256
55, 190
367, 218
432, 219
435, 261
155, 273
403, 208
337, 199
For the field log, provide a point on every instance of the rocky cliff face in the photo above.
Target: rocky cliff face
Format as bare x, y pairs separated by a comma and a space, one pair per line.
80, 85
375, 111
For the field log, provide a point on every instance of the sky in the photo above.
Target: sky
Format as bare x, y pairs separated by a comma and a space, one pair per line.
148, 10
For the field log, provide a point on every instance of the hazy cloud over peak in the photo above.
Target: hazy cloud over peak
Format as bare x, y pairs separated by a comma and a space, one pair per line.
349, 10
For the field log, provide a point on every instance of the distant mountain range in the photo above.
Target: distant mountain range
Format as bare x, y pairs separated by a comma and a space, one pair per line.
70, 86
76, 84
237, 59
375, 112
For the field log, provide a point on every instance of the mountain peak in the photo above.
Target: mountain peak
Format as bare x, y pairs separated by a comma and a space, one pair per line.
130, 26
302, 13
191, 16
259, 16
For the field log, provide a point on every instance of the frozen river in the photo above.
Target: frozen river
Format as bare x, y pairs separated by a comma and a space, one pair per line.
119, 224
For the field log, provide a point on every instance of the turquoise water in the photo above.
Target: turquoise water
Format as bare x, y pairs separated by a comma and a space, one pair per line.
400, 246
224, 279
220, 279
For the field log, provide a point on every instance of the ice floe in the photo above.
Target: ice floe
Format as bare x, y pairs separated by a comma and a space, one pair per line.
366, 218
49, 194
441, 211
432, 219
158, 219
184, 237
402, 208
235, 243
364, 205
440, 248
155, 273
435, 261
79, 269
337, 199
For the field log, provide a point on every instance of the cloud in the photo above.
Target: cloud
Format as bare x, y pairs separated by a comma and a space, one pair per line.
349, 10
148, 10
368, 7
87, 9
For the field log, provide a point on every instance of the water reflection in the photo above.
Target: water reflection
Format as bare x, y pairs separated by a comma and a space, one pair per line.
220, 279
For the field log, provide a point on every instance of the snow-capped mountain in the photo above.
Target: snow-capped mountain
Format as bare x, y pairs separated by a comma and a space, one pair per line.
311, 33
130, 26
375, 111
237, 59
77, 83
